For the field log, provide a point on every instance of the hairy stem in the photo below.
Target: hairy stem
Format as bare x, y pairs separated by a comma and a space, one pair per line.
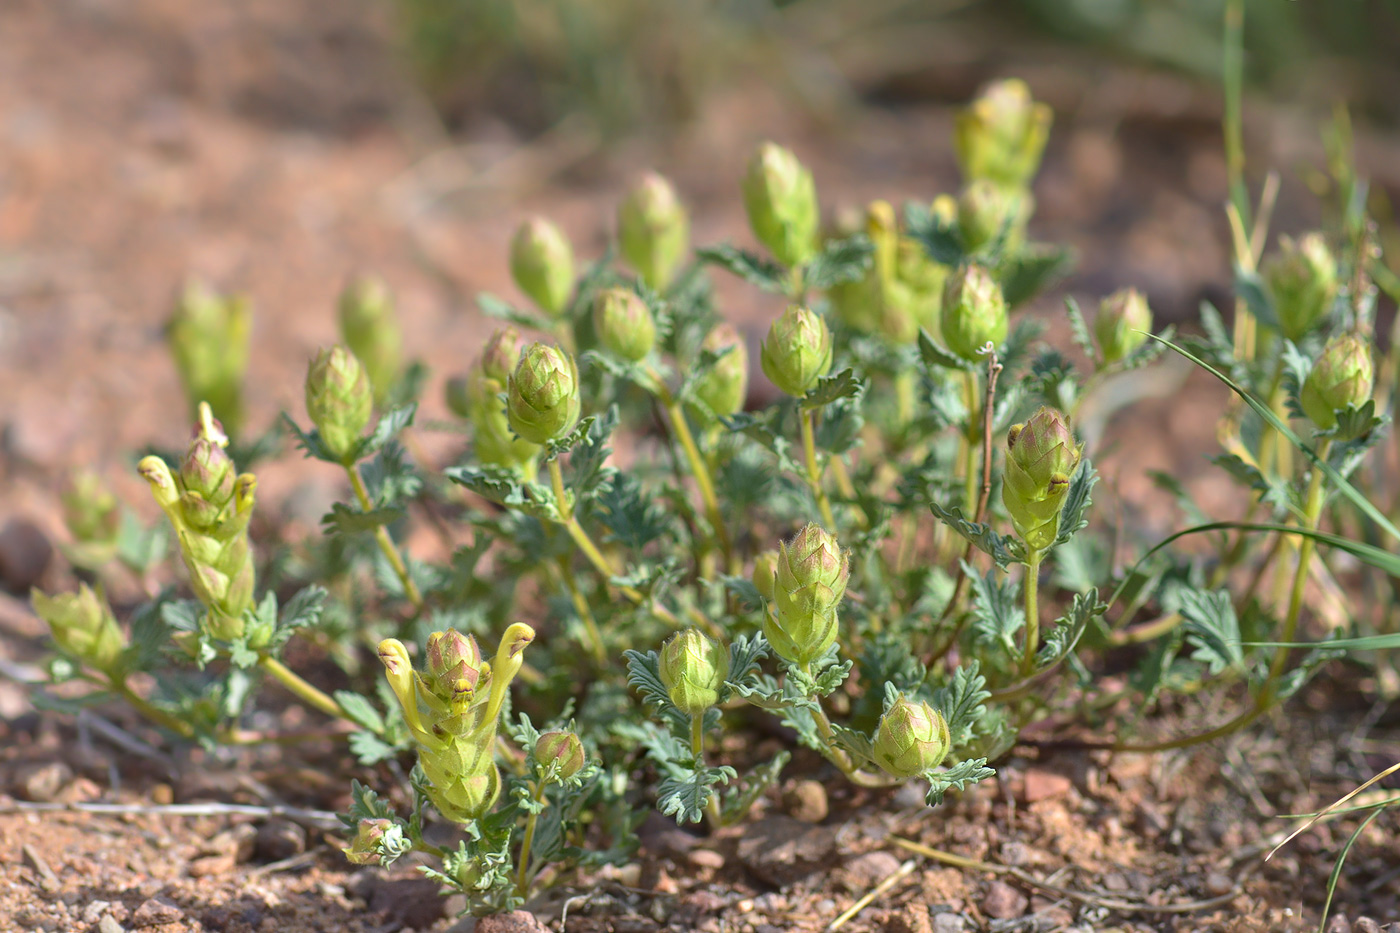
814, 473
522, 875
698, 468
581, 608
154, 713
1032, 592
304, 691
386, 543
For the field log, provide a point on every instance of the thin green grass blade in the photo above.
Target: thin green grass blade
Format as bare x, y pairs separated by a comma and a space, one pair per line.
1337, 868
1338, 481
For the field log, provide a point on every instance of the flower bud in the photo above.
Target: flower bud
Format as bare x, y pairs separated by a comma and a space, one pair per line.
810, 580
984, 209
725, 387
82, 624
693, 669
208, 336
1302, 279
565, 748
376, 842
781, 200
463, 796
912, 739
797, 351
542, 263
93, 519
624, 324
1340, 379
492, 439
338, 400
654, 230
542, 398
974, 312
765, 569
454, 667
1041, 457
501, 354
1123, 324
371, 331
1001, 135
207, 472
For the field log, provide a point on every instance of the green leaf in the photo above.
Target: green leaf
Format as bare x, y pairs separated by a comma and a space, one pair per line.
644, 676
310, 442
389, 478
387, 428
504, 487
586, 475
956, 778
840, 261
1069, 628
744, 654
1079, 328
759, 427
833, 388
1005, 551
502, 310
370, 749
684, 798
305, 608
631, 515
1212, 629
935, 356
1250, 287
139, 547
360, 711
1073, 516
1148, 351
997, 615
962, 702
759, 779
940, 239
344, 520
766, 274
365, 804
1272, 491
1033, 270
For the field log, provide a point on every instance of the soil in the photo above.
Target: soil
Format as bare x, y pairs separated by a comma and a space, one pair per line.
274, 148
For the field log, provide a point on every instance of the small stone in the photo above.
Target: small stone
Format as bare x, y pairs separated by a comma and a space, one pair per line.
1339, 924
1365, 925
781, 850
109, 924
1041, 784
279, 839
156, 912
705, 858
517, 921
948, 923
24, 553
870, 869
237, 841
93, 910
41, 781
911, 918
212, 865
80, 790
1003, 902
1218, 884
163, 794
806, 801
47, 879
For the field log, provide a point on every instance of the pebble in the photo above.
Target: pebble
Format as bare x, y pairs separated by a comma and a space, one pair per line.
24, 554
237, 842
93, 910
1041, 784
156, 912
279, 839
517, 921
212, 865
948, 923
1218, 884
108, 924
806, 801
42, 781
1365, 925
870, 869
1003, 902
1339, 924
705, 858
781, 850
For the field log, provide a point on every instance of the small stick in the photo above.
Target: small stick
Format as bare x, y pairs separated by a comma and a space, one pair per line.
319, 819
904, 871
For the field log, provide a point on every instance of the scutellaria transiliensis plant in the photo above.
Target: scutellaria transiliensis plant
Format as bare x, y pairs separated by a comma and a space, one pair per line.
866, 554
209, 338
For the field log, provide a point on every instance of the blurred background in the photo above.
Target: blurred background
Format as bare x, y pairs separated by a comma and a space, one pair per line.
277, 148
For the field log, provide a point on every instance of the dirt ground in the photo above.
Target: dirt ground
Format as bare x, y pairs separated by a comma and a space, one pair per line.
278, 153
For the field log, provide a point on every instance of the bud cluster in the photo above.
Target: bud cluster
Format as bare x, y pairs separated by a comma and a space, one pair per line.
371, 331
480, 399
1001, 135
542, 398
809, 581
542, 264
209, 505
912, 739
1302, 280
452, 708
339, 400
781, 200
208, 337
93, 519
974, 312
797, 351
693, 668
654, 231
1340, 379
83, 625
725, 387
1041, 457
903, 289
1123, 324
624, 323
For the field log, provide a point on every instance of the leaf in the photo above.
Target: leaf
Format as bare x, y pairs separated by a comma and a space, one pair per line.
587, 476
632, 517
305, 608
758, 427
684, 798
833, 388
935, 356
759, 779
1148, 351
138, 547
385, 430
766, 274
1355, 424
310, 442
644, 676
182, 615
1069, 628
502, 310
962, 702
389, 477
744, 654
1005, 551
360, 711
342, 519
504, 487
997, 615
1079, 328
1212, 628
1273, 491
370, 749
940, 239
1077, 501
1034, 269
956, 778
840, 261
365, 804
1250, 287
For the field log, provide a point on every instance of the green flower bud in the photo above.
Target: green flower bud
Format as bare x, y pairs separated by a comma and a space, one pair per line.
542, 399
973, 313
207, 472
454, 667
1302, 280
811, 576
781, 200
1001, 135
377, 842
985, 208
1340, 379
563, 748
654, 230
912, 739
724, 389
501, 354
82, 625
1041, 457
338, 400
765, 569
542, 263
693, 669
903, 289
493, 441
461, 790
93, 519
1123, 324
371, 330
208, 336
797, 351
624, 323
457, 397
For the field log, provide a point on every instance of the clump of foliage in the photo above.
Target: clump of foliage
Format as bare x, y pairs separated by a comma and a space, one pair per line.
896, 558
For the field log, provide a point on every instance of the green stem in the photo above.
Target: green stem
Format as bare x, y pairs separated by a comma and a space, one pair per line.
835, 755
581, 608
304, 691
698, 468
1312, 511
522, 877
1032, 588
697, 751
386, 543
970, 447
814, 475
154, 713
